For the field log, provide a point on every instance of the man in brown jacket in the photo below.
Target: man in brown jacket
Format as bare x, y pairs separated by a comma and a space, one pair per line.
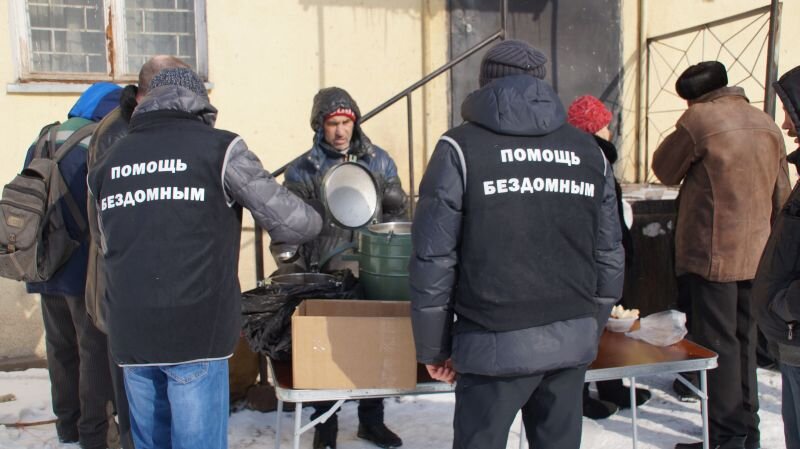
732, 161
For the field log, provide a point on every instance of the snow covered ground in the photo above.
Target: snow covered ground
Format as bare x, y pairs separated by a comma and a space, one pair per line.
424, 422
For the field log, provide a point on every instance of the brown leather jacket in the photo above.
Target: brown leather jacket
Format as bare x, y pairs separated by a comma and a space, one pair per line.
732, 161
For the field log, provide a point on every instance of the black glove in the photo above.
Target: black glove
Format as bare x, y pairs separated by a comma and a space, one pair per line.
394, 201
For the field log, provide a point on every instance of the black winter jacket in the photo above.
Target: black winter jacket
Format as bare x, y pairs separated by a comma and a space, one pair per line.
235, 179
518, 106
776, 288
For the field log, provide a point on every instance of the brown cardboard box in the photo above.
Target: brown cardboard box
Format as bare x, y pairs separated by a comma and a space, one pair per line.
347, 344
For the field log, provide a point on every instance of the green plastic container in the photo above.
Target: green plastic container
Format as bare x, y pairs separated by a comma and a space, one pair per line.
382, 255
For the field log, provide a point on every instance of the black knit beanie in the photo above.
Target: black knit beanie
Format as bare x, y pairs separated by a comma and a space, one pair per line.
127, 101
701, 79
512, 57
183, 77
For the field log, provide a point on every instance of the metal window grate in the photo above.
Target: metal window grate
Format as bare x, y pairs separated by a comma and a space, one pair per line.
67, 36
159, 27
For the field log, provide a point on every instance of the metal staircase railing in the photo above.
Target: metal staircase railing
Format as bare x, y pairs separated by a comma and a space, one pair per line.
405, 93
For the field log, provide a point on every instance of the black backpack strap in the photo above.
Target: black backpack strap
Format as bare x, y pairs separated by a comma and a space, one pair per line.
72, 141
75, 211
62, 151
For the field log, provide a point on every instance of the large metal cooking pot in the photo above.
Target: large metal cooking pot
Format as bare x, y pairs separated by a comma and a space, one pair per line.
382, 255
309, 279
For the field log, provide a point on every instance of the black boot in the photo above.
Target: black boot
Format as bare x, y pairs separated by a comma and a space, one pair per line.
732, 443
682, 391
325, 433
379, 434
616, 392
595, 408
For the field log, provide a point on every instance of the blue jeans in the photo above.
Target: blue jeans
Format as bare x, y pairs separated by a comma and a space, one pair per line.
183, 406
790, 407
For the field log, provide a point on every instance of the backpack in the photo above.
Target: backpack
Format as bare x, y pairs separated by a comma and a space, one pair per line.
34, 241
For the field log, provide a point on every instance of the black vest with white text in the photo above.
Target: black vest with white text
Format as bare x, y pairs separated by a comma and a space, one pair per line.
172, 241
529, 228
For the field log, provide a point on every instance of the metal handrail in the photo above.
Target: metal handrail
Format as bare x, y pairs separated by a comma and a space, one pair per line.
408, 90
500, 34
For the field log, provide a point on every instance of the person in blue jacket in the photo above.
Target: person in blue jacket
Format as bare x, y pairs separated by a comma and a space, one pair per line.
77, 353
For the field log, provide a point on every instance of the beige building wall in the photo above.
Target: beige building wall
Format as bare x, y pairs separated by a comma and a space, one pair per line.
658, 18
266, 64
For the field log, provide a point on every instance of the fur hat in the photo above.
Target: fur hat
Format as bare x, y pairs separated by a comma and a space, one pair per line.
588, 114
701, 79
512, 57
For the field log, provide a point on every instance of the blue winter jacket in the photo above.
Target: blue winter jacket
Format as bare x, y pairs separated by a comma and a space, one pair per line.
97, 101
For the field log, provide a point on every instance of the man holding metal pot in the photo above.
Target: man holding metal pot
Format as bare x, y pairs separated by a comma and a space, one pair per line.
339, 141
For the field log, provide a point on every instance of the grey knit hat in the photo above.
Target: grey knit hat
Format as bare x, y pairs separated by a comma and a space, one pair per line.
701, 79
512, 57
183, 77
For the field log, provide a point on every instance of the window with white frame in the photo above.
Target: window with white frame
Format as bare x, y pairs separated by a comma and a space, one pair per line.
90, 40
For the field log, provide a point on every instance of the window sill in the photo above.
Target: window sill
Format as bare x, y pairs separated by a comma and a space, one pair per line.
58, 88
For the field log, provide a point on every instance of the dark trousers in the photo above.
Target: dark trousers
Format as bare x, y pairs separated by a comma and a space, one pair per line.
121, 405
723, 321
551, 404
370, 411
77, 359
790, 405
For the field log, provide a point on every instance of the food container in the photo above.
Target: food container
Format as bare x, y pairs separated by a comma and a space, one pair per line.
620, 324
382, 255
309, 279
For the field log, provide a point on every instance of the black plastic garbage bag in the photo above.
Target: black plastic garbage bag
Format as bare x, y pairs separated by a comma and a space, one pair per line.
267, 311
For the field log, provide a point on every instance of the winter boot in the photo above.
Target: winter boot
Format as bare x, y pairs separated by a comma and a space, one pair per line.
732, 443
325, 434
682, 391
616, 392
595, 408
379, 434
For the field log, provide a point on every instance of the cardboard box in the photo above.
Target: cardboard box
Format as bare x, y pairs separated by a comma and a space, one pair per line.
349, 344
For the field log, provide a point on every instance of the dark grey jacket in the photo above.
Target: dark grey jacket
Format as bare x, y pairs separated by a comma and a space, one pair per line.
281, 213
521, 106
776, 288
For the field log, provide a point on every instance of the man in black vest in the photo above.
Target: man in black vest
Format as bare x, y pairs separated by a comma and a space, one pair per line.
169, 197
517, 233
113, 127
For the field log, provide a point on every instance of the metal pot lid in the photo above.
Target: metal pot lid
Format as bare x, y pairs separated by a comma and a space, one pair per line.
350, 194
391, 227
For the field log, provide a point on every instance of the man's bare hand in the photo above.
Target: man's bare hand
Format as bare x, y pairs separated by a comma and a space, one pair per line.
443, 372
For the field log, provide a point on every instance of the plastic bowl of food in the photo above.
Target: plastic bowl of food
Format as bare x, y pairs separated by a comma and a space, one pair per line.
620, 324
